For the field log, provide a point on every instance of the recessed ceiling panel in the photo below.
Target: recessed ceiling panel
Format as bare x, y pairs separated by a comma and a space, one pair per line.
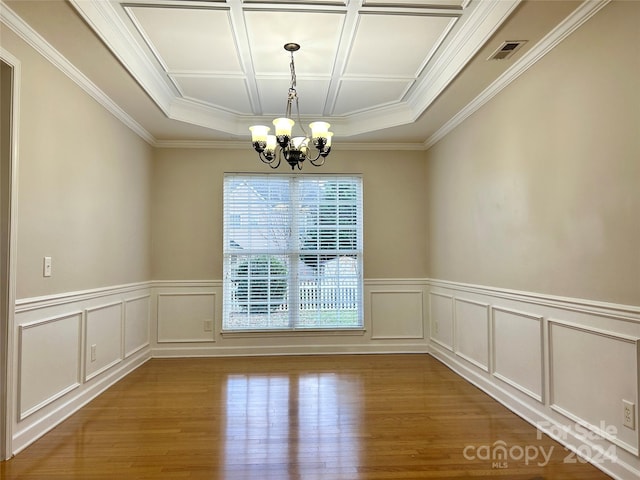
227, 93
395, 45
189, 39
359, 95
457, 4
317, 33
294, 2
312, 94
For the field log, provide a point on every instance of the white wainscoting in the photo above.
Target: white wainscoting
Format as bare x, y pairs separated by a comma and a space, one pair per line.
472, 332
394, 321
103, 338
186, 317
396, 314
54, 372
517, 350
50, 360
563, 364
136, 324
604, 357
441, 315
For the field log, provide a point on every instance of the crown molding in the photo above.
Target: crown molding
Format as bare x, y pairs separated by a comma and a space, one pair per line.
105, 22
579, 16
235, 145
38, 43
484, 21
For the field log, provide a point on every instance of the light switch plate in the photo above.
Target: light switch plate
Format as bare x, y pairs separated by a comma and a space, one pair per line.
46, 267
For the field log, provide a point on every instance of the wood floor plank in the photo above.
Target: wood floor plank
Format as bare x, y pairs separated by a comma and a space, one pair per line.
348, 417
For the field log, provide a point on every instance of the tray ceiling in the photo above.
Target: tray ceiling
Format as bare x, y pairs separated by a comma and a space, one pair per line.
390, 72
363, 65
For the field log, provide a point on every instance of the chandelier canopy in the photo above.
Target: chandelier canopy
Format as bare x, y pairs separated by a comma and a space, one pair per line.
295, 150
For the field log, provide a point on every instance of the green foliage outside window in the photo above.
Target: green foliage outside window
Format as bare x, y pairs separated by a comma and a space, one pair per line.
261, 284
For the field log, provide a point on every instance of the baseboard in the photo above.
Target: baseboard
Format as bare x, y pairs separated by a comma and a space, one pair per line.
572, 440
542, 357
277, 350
23, 438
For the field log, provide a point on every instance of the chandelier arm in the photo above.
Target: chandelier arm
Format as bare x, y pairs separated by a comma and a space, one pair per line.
317, 163
313, 159
271, 162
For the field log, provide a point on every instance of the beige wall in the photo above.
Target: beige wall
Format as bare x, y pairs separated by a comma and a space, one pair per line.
83, 188
187, 209
540, 189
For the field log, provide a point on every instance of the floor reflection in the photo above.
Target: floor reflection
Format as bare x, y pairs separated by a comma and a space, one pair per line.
291, 426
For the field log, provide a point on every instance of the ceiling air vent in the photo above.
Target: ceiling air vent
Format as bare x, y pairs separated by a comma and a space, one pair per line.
507, 49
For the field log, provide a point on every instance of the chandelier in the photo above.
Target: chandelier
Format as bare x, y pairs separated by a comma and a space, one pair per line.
295, 150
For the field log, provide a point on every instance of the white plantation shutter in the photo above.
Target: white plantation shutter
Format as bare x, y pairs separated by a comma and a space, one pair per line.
292, 252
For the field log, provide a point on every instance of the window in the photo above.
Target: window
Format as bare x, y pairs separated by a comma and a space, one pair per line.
292, 252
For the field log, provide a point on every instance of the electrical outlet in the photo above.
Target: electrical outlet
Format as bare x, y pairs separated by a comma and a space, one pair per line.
93, 352
208, 325
628, 411
436, 328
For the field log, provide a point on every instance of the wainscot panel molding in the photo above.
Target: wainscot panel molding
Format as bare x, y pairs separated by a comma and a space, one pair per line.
405, 307
472, 332
186, 317
517, 354
572, 344
441, 316
103, 338
394, 321
50, 360
136, 324
563, 364
56, 369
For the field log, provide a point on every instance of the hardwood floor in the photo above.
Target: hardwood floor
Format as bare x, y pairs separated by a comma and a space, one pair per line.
286, 418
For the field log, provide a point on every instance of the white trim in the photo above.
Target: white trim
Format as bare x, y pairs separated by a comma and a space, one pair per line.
397, 337
293, 333
280, 350
185, 283
583, 13
540, 397
217, 283
85, 342
127, 302
7, 342
225, 145
635, 341
487, 18
44, 48
450, 348
615, 311
210, 339
36, 303
26, 436
25, 326
105, 22
487, 321
534, 415
607, 319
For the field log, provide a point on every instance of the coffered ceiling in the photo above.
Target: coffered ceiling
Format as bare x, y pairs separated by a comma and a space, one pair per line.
205, 70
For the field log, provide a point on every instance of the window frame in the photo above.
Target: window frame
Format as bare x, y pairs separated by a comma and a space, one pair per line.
293, 252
